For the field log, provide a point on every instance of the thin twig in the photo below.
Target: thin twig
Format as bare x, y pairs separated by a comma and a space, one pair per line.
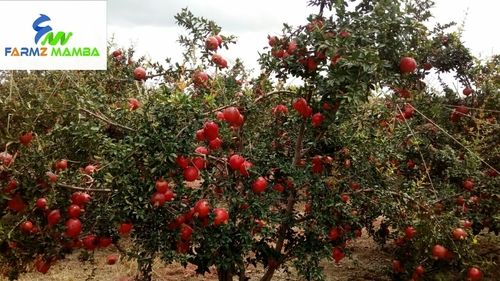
254, 101
272, 93
180, 131
473, 108
454, 139
419, 151
83, 188
106, 120
56, 88
290, 200
11, 84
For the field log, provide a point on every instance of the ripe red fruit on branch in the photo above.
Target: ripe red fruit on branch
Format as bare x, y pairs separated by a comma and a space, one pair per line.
337, 254
292, 47
73, 228
201, 150
335, 59
53, 217
315, 24
439, 252
317, 119
200, 78
80, 198
221, 216
74, 211
239, 122
245, 167
210, 130
354, 185
408, 111
125, 228
41, 203
462, 110
468, 185
466, 224
11, 186
235, 161
418, 272
459, 234
259, 185
90, 242
52, 177
117, 53
140, 73
169, 195
182, 161
219, 115
280, 109
186, 232
161, 186
200, 135
271, 40
133, 104
158, 199
199, 163
219, 39
215, 144
219, 61
334, 233
467, 91
25, 139
212, 43
61, 165
310, 64
90, 169
5, 158
344, 197
474, 274
191, 173
16, 203
407, 65
301, 106
232, 115
410, 232
279, 187
27, 227
404, 93
104, 242
202, 207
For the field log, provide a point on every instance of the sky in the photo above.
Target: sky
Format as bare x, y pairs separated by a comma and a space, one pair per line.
149, 25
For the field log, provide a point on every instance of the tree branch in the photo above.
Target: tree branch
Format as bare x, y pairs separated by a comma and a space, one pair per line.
106, 120
290, 203
264, 96
83, 188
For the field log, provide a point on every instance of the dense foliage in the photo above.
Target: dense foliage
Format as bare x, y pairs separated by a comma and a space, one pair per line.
211, 168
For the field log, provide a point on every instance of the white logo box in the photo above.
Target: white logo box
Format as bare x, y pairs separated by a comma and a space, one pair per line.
83, 22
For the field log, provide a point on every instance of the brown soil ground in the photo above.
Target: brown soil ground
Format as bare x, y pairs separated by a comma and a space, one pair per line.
367, 263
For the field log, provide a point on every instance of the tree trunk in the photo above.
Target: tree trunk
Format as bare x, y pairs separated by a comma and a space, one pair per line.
145, 269
224, 275
268, 275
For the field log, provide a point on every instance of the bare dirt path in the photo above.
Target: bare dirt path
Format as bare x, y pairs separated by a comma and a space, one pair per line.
367, 263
